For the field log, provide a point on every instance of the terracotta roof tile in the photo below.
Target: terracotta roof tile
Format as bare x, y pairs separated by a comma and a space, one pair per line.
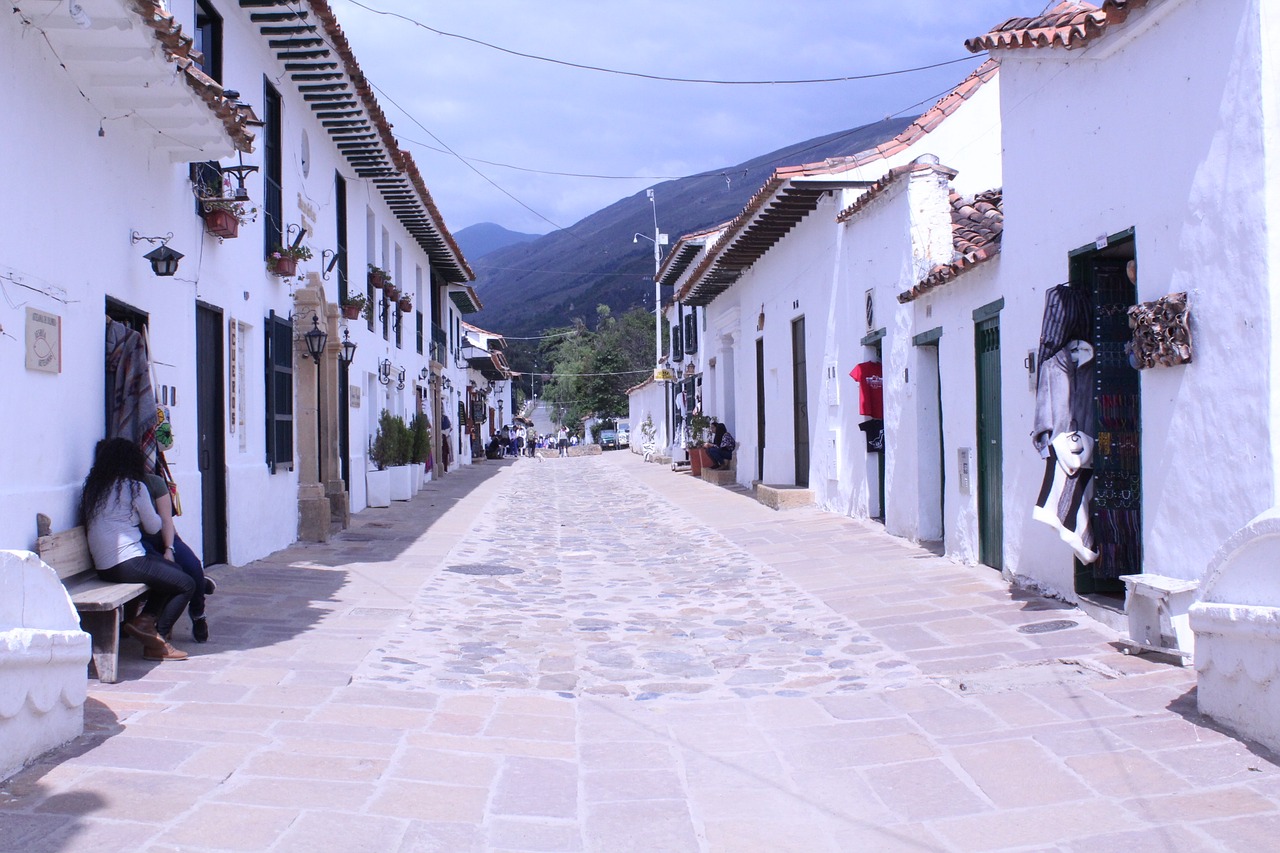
448, 253
1070, 24
889, 179
977, 225
945, 106
180, 49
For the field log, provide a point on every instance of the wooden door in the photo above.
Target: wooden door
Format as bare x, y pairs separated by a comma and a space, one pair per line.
211, 451
990, 454
800, 402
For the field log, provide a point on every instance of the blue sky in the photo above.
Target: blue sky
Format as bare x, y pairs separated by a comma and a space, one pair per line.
489, 105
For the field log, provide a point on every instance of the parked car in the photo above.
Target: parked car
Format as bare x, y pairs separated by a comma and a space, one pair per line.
608, 439
624, 434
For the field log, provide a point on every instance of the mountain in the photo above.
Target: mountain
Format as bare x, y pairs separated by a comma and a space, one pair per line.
478, 240
546, 282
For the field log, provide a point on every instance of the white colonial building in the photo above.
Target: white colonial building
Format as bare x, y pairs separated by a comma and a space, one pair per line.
226, 132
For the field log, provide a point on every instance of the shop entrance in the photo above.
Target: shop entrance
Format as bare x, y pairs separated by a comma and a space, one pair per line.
1109, 276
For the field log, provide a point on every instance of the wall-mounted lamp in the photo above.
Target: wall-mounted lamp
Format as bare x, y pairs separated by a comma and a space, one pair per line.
164, 261
499, 404
384, 371
240, 193
423, 374
448, 384
400, 376
316, 339
760, 319
348, 352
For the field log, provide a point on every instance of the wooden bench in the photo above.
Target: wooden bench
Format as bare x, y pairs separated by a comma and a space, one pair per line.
100, 603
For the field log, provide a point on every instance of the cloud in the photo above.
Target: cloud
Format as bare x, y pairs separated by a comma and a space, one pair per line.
490, 105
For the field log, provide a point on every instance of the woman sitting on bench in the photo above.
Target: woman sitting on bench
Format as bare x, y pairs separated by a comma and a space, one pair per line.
113, 505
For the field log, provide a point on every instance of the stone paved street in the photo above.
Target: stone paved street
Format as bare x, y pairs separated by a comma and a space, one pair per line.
594, 654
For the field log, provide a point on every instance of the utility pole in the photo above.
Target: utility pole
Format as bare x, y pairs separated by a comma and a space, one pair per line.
659, 240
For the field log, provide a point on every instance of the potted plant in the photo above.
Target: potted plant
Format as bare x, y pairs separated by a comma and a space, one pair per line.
391, 291
223, 216
405, 303
401, 471
356, 304
381, 456
283, 261
698, 424
377, 277
421, 446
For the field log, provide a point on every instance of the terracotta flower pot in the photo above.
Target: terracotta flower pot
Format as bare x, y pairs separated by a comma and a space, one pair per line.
285, 267
393, 292
221, 222
406, 304
377, 280
351, 312
697, 458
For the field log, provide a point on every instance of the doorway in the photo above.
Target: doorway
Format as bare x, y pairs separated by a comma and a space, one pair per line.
211, 447
800, 402
1115, 513
760, 410
990, 451
931, 450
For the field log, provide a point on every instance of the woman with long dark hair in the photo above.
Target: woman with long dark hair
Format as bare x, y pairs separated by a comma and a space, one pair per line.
114, 506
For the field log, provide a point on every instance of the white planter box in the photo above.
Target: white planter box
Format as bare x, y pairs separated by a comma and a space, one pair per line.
401, 482
378, 486
1237, 629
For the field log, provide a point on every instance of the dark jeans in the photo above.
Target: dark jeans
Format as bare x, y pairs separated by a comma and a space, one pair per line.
186, 560
169, 587
719, 456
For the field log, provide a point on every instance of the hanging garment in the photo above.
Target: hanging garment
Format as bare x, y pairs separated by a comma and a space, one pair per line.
870, 389
1068, 316
1064, 394
131, 402
1067, 491
874, 430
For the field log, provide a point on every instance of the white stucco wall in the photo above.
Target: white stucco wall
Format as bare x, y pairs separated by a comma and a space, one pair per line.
1129, 133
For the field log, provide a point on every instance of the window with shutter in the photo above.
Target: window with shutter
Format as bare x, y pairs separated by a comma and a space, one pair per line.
691, 331
279, 393
677, 344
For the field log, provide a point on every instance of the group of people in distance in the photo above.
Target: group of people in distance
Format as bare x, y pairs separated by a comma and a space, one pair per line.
515, 440
127, 513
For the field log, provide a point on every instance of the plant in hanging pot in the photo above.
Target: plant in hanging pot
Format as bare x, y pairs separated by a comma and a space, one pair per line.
390, 291
356, 304
378, 277
405, 303
223, 216
283, 261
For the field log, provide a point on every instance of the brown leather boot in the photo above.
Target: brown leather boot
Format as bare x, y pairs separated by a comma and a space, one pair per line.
159, 649
142, 627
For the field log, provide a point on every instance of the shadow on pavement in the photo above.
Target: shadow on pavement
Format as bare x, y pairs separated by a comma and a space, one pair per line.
61, 816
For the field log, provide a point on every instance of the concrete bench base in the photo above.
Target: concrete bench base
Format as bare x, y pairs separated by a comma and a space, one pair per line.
783, 497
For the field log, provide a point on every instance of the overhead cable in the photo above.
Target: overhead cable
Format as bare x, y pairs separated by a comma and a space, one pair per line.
658, 77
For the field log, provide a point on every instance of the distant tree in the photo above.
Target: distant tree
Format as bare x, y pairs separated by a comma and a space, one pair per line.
593, 368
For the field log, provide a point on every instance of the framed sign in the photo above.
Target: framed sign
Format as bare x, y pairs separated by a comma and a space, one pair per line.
44, 341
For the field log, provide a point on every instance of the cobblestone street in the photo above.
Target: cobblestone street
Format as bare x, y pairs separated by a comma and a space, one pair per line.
594, 654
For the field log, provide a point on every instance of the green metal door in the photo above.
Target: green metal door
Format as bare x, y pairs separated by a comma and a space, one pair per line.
800, 401
990, 458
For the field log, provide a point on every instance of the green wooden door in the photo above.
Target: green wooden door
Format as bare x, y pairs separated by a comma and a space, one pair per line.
990, 458
800, 401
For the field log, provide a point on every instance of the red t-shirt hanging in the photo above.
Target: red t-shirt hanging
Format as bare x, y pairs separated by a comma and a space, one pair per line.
870, 387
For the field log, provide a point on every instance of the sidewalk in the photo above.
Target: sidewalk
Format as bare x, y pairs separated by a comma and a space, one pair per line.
597, 654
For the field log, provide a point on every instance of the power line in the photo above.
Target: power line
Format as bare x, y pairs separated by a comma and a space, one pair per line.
658, 77
545, 171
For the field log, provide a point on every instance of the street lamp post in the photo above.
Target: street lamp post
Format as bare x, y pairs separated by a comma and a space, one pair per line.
658, 240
